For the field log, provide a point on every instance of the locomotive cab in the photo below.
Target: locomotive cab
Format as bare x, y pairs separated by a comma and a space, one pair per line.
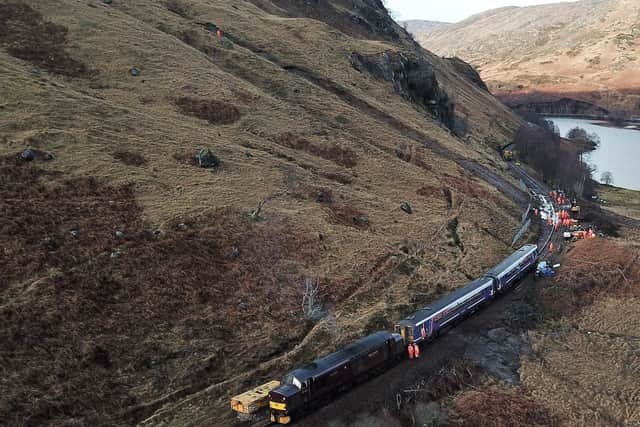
286, 399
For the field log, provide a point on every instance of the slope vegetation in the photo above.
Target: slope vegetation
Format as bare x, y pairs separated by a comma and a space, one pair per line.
584, 51
136, 286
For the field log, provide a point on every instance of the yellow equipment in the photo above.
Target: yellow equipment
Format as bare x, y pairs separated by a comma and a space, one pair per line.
509, 155
253, 400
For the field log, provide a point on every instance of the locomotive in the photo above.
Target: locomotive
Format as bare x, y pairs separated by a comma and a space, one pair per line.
340, 370
319, 380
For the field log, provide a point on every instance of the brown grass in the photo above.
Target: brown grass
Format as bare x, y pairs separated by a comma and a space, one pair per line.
27, 36
85, 326
466, 186
342, 156
346, 214
492, 408
130, 158
430, 191
215, 112
593, 269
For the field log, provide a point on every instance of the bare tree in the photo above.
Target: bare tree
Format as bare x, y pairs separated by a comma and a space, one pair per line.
606, 178
311, 307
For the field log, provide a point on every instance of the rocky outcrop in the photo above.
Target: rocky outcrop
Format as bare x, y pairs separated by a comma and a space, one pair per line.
357, 18
468, 72
412, 77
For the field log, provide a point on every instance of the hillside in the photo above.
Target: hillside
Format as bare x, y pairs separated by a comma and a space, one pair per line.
585, 51
135, 286
424, 28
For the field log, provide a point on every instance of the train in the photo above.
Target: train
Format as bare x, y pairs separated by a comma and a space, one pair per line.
305, 387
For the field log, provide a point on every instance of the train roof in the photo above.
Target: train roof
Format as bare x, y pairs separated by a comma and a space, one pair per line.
441, 303
322, 364
504, 265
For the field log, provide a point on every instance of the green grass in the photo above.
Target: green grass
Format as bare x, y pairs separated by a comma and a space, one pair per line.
620, 200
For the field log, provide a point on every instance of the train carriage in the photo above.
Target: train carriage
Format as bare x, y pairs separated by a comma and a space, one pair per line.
426, 322
514, 267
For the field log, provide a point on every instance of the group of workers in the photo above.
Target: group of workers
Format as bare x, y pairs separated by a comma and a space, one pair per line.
414, 351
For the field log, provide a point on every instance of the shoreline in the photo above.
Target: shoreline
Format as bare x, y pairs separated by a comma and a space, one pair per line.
631, 124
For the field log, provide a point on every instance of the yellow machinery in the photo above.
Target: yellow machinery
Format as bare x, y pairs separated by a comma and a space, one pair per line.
575, 209
252, 401
509, 155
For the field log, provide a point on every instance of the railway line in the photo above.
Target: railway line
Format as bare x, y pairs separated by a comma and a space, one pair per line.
372, 355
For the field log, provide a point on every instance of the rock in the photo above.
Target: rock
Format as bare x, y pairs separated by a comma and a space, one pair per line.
248, 154
235, 251
361, 221
321, 196
74, 233
206, 159
28, 155
243, 306
135, 71
47, 157
403, 152
406, 207
182, 226
119, 234
116, 254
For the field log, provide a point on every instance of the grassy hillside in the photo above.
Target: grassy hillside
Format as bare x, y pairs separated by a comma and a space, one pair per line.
585, 50
136, 288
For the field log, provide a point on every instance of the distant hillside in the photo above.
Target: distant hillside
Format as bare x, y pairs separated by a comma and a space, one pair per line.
587, 51
424, 28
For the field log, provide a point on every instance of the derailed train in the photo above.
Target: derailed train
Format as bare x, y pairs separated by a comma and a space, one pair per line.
318, 381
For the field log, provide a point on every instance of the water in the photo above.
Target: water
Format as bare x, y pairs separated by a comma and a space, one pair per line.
618, 153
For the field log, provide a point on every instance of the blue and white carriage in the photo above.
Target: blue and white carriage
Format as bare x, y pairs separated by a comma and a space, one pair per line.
426, 323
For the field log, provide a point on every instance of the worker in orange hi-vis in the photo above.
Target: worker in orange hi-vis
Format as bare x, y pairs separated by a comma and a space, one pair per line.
535, 212
219, 33
551, 247
410, 350
416, 350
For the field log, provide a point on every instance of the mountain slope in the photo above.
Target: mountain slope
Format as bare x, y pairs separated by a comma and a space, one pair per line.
424, 28
586, 50
136, 288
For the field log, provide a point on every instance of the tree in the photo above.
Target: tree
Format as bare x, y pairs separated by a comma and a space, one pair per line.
606, 178
580, 135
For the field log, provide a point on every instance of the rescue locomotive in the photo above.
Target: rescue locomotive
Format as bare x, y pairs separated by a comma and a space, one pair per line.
316, 381
302, 388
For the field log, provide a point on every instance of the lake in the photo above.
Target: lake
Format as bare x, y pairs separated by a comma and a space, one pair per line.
618, 153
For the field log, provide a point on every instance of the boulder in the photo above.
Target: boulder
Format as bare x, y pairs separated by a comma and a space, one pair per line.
406, 207
206, 159
28, 155
47, 157
135, 71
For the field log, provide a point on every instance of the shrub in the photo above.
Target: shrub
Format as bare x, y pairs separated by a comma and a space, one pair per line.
215, 112
343, 156
26, 36
129, 158
179, 8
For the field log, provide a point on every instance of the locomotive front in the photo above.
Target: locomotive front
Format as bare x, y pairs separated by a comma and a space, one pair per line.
285, 400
